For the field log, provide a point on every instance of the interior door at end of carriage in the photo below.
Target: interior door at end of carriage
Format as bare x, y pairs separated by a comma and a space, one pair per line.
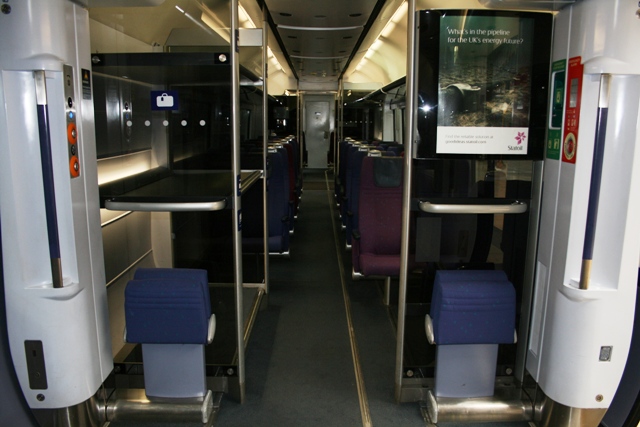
317, 130
481, 128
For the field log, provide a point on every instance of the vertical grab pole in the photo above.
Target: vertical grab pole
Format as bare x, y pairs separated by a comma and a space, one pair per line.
237, 193
596, 179
409, 113
47, 177
265, 141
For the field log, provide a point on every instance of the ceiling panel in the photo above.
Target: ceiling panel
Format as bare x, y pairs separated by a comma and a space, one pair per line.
319, 37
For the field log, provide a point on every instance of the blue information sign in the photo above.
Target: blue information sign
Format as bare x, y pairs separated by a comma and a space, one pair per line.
164, 100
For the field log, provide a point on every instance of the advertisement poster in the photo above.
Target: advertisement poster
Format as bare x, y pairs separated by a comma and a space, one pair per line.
484, 85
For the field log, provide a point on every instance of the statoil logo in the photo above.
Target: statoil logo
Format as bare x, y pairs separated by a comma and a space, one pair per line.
520, 137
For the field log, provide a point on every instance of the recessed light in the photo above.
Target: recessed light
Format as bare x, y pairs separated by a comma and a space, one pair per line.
285, 14
320, 16
354, 15
347, 37
292, 37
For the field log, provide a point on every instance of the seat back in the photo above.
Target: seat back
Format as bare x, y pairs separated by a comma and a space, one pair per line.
353, 191
380, 216
280, 209
168, 306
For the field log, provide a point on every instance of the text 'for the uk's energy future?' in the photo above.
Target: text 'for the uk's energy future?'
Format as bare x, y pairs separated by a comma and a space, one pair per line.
480, 36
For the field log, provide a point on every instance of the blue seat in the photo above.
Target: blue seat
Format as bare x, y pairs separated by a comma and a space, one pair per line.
353, 192
168, 311
472, 312
352, 157
280, 209
340, 178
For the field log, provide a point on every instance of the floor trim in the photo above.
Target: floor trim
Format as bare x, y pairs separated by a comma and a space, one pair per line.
362, 392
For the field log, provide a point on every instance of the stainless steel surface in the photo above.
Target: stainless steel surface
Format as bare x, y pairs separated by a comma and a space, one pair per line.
133, 405
553, 414
165, 207
122, 251
410, 119
508, 404
528, 280
236, 199
442, 208
86, 414
265, 143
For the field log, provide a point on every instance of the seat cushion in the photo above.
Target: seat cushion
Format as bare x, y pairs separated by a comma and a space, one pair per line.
473, 311
168, 306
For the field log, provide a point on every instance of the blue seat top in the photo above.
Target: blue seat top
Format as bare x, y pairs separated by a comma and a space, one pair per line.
168, 306
476, 310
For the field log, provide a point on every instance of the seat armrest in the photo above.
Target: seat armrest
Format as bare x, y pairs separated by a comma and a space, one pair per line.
355, 234
428, 326
212, 329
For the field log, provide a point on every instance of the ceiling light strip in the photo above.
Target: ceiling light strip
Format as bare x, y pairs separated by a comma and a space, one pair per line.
317, 57
291, 27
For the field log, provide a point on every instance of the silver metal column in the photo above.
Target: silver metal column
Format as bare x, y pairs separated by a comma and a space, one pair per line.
265, 141
237, 192
410, 117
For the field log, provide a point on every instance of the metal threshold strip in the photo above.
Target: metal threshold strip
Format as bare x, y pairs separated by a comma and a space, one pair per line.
362, 392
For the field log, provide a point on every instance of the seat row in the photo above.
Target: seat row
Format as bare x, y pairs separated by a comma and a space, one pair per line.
369, 197
284, 190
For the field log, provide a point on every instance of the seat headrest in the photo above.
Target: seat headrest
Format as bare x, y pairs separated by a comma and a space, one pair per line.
387, 171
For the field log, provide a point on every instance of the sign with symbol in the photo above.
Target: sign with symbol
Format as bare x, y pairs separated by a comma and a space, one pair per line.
86, 84
572, 110
164, 100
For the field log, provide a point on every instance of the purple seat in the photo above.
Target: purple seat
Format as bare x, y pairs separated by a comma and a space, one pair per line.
376, 244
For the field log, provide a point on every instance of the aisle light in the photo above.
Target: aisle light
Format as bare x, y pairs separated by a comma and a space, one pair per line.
222, 29
399, 15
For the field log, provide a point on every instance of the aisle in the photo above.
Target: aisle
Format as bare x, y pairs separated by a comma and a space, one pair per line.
299, 369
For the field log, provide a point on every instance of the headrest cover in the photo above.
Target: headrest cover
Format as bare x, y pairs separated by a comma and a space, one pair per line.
387, 172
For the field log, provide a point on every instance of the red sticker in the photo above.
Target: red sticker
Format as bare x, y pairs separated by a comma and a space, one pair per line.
572, 110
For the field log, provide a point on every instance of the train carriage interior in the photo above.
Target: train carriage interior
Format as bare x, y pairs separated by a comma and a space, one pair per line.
294, 213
